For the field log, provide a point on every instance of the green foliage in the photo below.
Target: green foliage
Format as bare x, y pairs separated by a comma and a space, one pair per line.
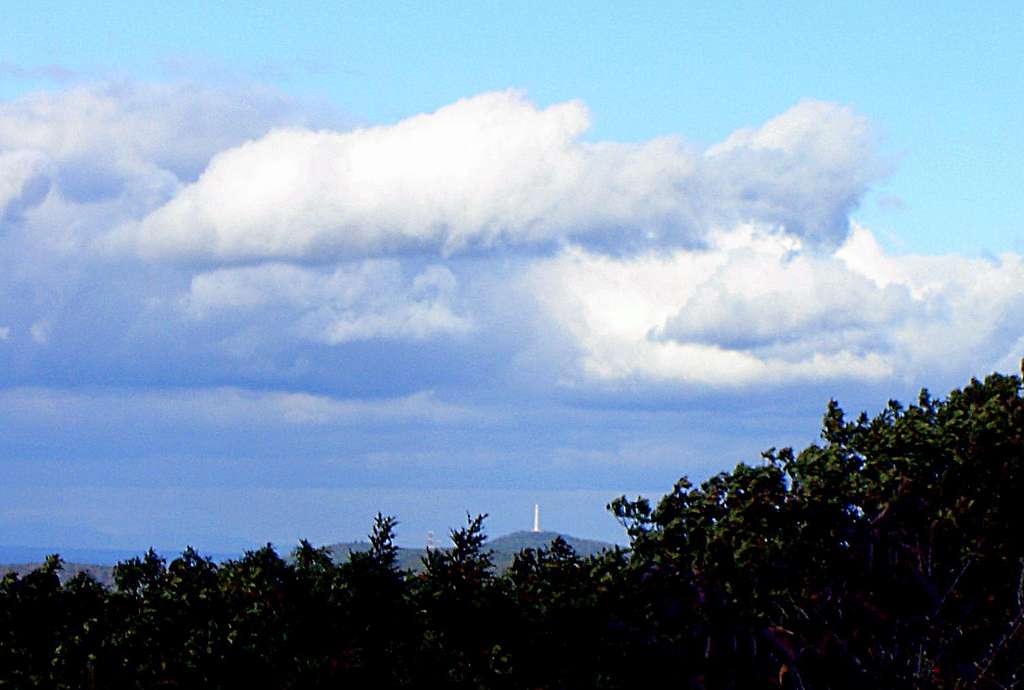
889, 555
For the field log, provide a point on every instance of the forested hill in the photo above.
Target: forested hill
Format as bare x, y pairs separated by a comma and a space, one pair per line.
517, 541
507, 547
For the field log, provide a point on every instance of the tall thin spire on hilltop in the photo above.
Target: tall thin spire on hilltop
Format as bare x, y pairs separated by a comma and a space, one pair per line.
536, 517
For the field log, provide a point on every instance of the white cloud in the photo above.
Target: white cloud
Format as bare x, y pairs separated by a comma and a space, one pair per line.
371, 299
130, 143
176, 127
759, 300
722, 267
496, 170
804, 170
5, 332
757, 308
224, 407
22, 181
40, 331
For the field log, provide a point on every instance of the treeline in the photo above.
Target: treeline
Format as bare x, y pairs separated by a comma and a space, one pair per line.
890, 555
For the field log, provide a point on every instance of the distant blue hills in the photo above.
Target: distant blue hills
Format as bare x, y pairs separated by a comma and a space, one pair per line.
503, 548
99, 562
36, 554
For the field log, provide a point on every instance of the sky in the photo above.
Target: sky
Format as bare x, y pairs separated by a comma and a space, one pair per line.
266, 271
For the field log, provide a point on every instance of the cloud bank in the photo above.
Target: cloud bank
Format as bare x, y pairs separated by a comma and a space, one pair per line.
226, 408
201, 238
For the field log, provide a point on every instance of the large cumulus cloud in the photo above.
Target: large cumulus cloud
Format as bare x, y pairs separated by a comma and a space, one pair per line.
495, 170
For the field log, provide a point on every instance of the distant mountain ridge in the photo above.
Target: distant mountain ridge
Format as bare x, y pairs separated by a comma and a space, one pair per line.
503, 549
104, 574
94, 556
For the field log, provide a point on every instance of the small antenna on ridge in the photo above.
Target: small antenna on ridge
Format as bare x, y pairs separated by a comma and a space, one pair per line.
536, 517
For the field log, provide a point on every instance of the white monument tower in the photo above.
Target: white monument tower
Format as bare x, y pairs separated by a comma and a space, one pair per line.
536, 517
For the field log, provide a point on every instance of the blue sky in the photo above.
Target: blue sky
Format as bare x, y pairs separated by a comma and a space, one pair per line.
271, 269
